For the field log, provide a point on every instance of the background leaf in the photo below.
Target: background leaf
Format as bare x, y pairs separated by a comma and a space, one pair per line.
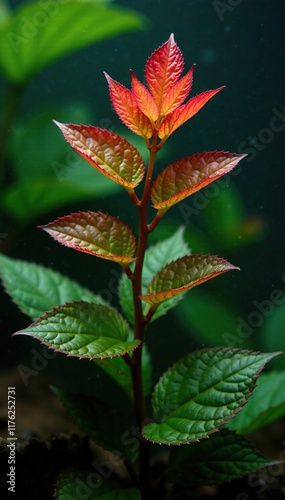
209, 321
201, 392
73, 484
120, 372
265, 405
26, 47
223, 457
83, 330
27, 200
272, 331
103, 423
36, 289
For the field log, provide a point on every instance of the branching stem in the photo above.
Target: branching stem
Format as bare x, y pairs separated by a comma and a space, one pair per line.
141, 323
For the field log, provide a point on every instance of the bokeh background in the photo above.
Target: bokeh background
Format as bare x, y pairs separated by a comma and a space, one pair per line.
239, 44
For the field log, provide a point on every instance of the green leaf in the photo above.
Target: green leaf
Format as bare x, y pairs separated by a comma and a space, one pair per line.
156, 257
31, 138
27, 200
271, 335
36, 289
226, 218
91, 485
4, 11
111, 154
103, 423
182, 274
38, 34
265, 405
201, 392
95, 233
223, 457
120, 372
83, 330
209, 321
188, 175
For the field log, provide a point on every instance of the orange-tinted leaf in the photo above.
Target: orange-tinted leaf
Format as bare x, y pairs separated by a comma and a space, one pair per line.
95, 233
183, 113
144, 99
188, 175
163, 68
128, 110
177, 94
182, 274
109, 153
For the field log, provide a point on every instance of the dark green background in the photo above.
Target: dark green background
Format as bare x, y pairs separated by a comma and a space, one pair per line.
242, 48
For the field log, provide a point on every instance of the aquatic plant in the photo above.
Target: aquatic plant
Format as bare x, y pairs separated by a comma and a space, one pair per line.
199, 393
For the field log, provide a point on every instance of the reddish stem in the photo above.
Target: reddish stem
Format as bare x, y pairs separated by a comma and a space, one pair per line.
140, 324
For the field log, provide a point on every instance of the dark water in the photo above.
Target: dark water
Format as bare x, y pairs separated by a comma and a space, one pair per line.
239, 44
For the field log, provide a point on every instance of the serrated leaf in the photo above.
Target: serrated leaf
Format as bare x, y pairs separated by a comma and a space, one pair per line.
83, 330
163, 68
183, 274
95, 233
190, 174
88, 484
27, 38
128, 110
223, 457
36, 289
103, 423
201, 392
109, 153
156, 257
144, 99
266, 405
183, 113
177, 93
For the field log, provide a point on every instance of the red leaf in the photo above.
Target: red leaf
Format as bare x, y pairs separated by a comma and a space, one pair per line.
188, 175
128, 110
98, 234
177, 94
183, 113
144, 99
182, 274
163, 68
109, 153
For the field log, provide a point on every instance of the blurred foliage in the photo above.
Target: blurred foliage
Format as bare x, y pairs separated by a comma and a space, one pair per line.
38, 172
215, 221
36, 34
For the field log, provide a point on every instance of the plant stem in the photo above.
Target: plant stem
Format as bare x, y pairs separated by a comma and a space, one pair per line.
140, 326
